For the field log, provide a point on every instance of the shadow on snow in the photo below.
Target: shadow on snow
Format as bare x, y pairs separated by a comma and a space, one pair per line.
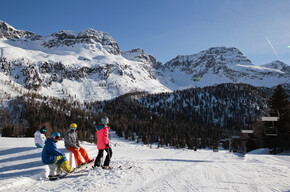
16, 150
32, 164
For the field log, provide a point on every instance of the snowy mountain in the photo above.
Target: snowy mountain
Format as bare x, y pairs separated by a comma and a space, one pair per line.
278, 65
89, 66
141, 55
9, 32
153, 169
101, 40
219, 65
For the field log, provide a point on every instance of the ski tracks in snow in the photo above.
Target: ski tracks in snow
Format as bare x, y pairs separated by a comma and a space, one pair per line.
166, 179
172, 173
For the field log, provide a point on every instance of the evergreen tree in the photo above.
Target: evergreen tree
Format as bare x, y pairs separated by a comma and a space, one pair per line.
280, 102
7, 130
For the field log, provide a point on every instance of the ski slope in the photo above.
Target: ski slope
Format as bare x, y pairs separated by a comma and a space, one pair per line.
163, 169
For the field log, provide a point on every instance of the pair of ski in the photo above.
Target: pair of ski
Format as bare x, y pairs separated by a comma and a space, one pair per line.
122, 168
75, 170
109, 167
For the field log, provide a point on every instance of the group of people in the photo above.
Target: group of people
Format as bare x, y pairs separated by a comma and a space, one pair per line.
57, 161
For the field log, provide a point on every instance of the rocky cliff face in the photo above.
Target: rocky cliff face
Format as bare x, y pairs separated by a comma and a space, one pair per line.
279, 65
97, 82
213, 57
89, 36
139, 55
9, 32
216, 59
220, 65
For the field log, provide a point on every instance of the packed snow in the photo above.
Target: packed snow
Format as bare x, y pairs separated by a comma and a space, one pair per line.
153, 169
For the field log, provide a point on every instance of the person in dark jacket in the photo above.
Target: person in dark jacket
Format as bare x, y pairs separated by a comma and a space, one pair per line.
72, 144
103, 144
52, 157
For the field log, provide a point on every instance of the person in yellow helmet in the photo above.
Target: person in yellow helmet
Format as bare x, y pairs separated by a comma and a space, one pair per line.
72, 143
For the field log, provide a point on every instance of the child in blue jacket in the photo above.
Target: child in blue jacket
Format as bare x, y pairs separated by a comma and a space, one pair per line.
53, 157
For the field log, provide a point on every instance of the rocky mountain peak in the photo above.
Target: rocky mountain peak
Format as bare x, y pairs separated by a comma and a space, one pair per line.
137, 51
275, 64
212, 57
221, 65
88, 36
222, 50
140, 55
278, 65
9, 32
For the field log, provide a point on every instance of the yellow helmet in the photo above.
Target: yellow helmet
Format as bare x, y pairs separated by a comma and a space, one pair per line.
73, 126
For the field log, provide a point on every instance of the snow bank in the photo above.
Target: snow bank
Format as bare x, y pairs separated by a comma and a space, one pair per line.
260, 151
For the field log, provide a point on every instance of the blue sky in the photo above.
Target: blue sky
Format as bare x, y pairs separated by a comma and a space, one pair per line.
165, 28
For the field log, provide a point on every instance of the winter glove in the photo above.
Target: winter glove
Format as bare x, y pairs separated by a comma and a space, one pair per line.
107, 145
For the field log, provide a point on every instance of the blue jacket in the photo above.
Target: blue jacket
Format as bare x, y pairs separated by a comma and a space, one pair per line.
50, 152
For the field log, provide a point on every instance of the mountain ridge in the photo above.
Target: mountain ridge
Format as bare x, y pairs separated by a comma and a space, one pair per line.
89, 65
9, 32
219, 65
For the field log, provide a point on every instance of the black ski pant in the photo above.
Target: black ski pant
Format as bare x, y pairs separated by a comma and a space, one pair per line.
100, 155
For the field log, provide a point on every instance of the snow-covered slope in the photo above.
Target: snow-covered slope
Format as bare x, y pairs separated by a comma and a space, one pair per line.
89, 66
86, 66
153, 169
9, 89
279, 65
219, 65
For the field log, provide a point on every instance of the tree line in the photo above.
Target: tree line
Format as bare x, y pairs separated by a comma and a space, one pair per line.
191, 118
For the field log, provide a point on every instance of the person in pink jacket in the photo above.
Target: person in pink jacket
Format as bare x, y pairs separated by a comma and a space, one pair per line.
103, 144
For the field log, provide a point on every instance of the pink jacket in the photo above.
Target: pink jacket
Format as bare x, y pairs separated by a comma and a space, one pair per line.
103, 138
